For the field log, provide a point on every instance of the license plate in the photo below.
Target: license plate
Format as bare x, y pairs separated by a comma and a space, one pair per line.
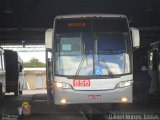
94, 97
81, 83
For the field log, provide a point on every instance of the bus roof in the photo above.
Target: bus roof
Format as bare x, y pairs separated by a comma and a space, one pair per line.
89, 15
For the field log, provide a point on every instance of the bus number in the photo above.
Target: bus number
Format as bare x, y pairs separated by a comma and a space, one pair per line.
81, 82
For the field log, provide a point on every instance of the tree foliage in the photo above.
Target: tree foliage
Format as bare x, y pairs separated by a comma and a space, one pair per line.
34, 63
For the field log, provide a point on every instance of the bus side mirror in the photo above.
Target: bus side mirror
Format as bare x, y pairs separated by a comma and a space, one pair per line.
48, 38
135, 37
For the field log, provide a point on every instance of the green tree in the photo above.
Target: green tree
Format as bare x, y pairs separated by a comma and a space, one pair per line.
34, 63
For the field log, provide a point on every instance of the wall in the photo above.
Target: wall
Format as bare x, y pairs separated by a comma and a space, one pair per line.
29, 79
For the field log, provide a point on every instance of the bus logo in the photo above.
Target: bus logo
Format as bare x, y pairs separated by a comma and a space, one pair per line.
81, 83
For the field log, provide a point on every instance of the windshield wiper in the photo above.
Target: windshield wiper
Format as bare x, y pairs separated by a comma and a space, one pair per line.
106, 65
82, 61
110, 73
80, 66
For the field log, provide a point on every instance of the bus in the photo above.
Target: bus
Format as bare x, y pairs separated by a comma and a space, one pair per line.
14, 66
2, 76
89, 59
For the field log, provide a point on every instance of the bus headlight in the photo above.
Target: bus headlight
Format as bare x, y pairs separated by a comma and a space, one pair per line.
124, 84
63, 85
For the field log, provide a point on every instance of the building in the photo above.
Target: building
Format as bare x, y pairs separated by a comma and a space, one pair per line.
33, 78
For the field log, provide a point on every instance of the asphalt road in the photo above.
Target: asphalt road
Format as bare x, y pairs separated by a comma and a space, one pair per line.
42, 110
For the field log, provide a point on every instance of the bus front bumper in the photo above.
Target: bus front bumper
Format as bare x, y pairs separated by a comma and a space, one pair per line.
69, 96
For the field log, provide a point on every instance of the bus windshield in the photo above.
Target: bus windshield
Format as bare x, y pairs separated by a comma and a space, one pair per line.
92, 47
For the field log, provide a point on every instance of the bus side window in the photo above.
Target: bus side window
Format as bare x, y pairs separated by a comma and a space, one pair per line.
3, 63
1, 66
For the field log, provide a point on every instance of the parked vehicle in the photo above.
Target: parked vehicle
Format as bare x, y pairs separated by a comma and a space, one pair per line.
14, 66
2, 76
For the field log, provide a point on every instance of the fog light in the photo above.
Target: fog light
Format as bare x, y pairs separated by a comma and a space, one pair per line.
63, 101
124, 99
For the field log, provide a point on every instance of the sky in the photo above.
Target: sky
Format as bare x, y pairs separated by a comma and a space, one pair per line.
28, 52
27, 56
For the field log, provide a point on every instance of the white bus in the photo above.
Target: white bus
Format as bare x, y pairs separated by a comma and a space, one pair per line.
2, 76
90, 59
